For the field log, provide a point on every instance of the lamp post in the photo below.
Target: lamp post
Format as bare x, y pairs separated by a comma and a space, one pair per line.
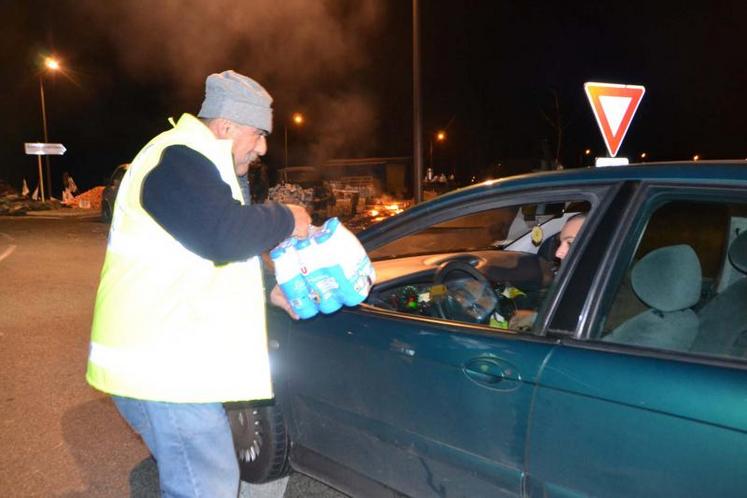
440, 136
52, 65
584, 158
296, 119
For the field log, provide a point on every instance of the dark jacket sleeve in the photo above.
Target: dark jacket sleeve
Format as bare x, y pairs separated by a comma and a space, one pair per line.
185, 194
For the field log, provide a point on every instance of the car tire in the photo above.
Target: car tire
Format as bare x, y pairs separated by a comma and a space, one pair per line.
106, 212
261, 442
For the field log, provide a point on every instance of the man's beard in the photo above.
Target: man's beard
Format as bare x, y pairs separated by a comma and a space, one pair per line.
251, 158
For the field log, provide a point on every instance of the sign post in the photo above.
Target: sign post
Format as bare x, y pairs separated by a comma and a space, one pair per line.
39, 149
614, 106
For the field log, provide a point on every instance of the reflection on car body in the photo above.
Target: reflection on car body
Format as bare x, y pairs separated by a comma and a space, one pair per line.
109, 194
629, 379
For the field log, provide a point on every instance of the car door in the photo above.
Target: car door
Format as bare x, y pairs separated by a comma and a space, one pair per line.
424, 406
638, 417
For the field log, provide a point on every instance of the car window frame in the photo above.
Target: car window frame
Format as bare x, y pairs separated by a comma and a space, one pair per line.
568, 308
598, 196
650, 197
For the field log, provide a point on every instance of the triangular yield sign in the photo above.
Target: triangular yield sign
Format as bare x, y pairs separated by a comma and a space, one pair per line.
614, 106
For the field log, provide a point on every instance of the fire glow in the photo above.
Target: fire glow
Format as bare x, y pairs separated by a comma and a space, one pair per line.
381, 212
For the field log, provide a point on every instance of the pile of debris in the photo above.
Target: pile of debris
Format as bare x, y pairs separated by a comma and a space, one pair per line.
292, 193
357, 208
14, 204
90, 199
377, 209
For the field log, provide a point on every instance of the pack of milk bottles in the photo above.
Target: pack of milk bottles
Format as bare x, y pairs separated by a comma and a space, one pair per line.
324, 271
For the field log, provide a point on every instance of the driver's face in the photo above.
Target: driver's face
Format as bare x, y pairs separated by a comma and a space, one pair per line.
568, 236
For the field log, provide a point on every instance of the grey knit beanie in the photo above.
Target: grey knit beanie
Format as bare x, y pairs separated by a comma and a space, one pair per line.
233, 96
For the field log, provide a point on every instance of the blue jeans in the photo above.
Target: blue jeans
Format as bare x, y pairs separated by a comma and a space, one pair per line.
192, 445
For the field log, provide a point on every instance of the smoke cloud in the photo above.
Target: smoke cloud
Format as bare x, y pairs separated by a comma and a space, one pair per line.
311, 55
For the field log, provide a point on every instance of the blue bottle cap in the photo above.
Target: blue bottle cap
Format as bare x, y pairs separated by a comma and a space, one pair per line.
303, 243
323, 236
277, 252
332, 224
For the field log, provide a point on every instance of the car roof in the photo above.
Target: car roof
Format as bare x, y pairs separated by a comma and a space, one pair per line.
713, 172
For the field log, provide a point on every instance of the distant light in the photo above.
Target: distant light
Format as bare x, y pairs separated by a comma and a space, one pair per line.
696, 157
297, 118
643, 155
587, 151
52, 63
441, 136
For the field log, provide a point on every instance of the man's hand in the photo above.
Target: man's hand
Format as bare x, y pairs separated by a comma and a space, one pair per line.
278, 299
301, 220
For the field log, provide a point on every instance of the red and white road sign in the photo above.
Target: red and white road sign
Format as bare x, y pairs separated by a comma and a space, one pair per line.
614, 107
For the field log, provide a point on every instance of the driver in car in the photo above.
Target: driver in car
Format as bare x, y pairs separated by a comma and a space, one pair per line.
523, 319
568, 234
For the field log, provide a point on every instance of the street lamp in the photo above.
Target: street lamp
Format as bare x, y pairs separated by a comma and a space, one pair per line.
696, 157
297, 119
440, 136
51, 64
643, 156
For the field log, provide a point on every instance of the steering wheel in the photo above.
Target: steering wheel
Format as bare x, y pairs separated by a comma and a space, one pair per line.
446, 307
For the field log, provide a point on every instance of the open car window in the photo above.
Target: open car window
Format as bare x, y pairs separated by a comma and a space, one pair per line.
471, 232
493, 267
494, 228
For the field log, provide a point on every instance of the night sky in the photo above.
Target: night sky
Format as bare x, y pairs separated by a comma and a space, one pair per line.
491, 73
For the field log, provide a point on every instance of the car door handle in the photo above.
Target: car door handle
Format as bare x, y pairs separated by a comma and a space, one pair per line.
492, 372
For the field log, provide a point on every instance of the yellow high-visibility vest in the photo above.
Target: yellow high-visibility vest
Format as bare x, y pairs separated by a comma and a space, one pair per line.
169, 325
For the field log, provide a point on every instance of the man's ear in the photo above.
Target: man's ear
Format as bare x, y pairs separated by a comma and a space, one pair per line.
220, 127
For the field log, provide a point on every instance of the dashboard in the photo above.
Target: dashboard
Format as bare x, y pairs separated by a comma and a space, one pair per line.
486, 286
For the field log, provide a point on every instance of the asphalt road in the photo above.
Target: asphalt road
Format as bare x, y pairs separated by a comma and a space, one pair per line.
58, 436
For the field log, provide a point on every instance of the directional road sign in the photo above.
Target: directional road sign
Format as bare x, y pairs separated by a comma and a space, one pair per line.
39, 149
42, 149
613, 106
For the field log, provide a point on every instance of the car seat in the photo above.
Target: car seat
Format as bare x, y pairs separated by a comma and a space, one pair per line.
668, 281
723, 320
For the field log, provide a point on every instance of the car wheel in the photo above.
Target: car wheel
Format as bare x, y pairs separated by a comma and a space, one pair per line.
261, 442
106, 212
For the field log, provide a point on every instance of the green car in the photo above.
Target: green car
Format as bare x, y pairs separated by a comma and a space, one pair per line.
498, 356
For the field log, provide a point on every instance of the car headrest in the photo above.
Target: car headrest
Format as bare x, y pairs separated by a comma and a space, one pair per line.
668, 278
738, 252
525, 272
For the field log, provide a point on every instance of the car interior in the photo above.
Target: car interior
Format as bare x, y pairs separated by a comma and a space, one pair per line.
498, 277
686, 288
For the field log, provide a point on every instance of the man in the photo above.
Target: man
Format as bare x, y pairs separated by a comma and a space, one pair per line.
179, 323
69, 188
